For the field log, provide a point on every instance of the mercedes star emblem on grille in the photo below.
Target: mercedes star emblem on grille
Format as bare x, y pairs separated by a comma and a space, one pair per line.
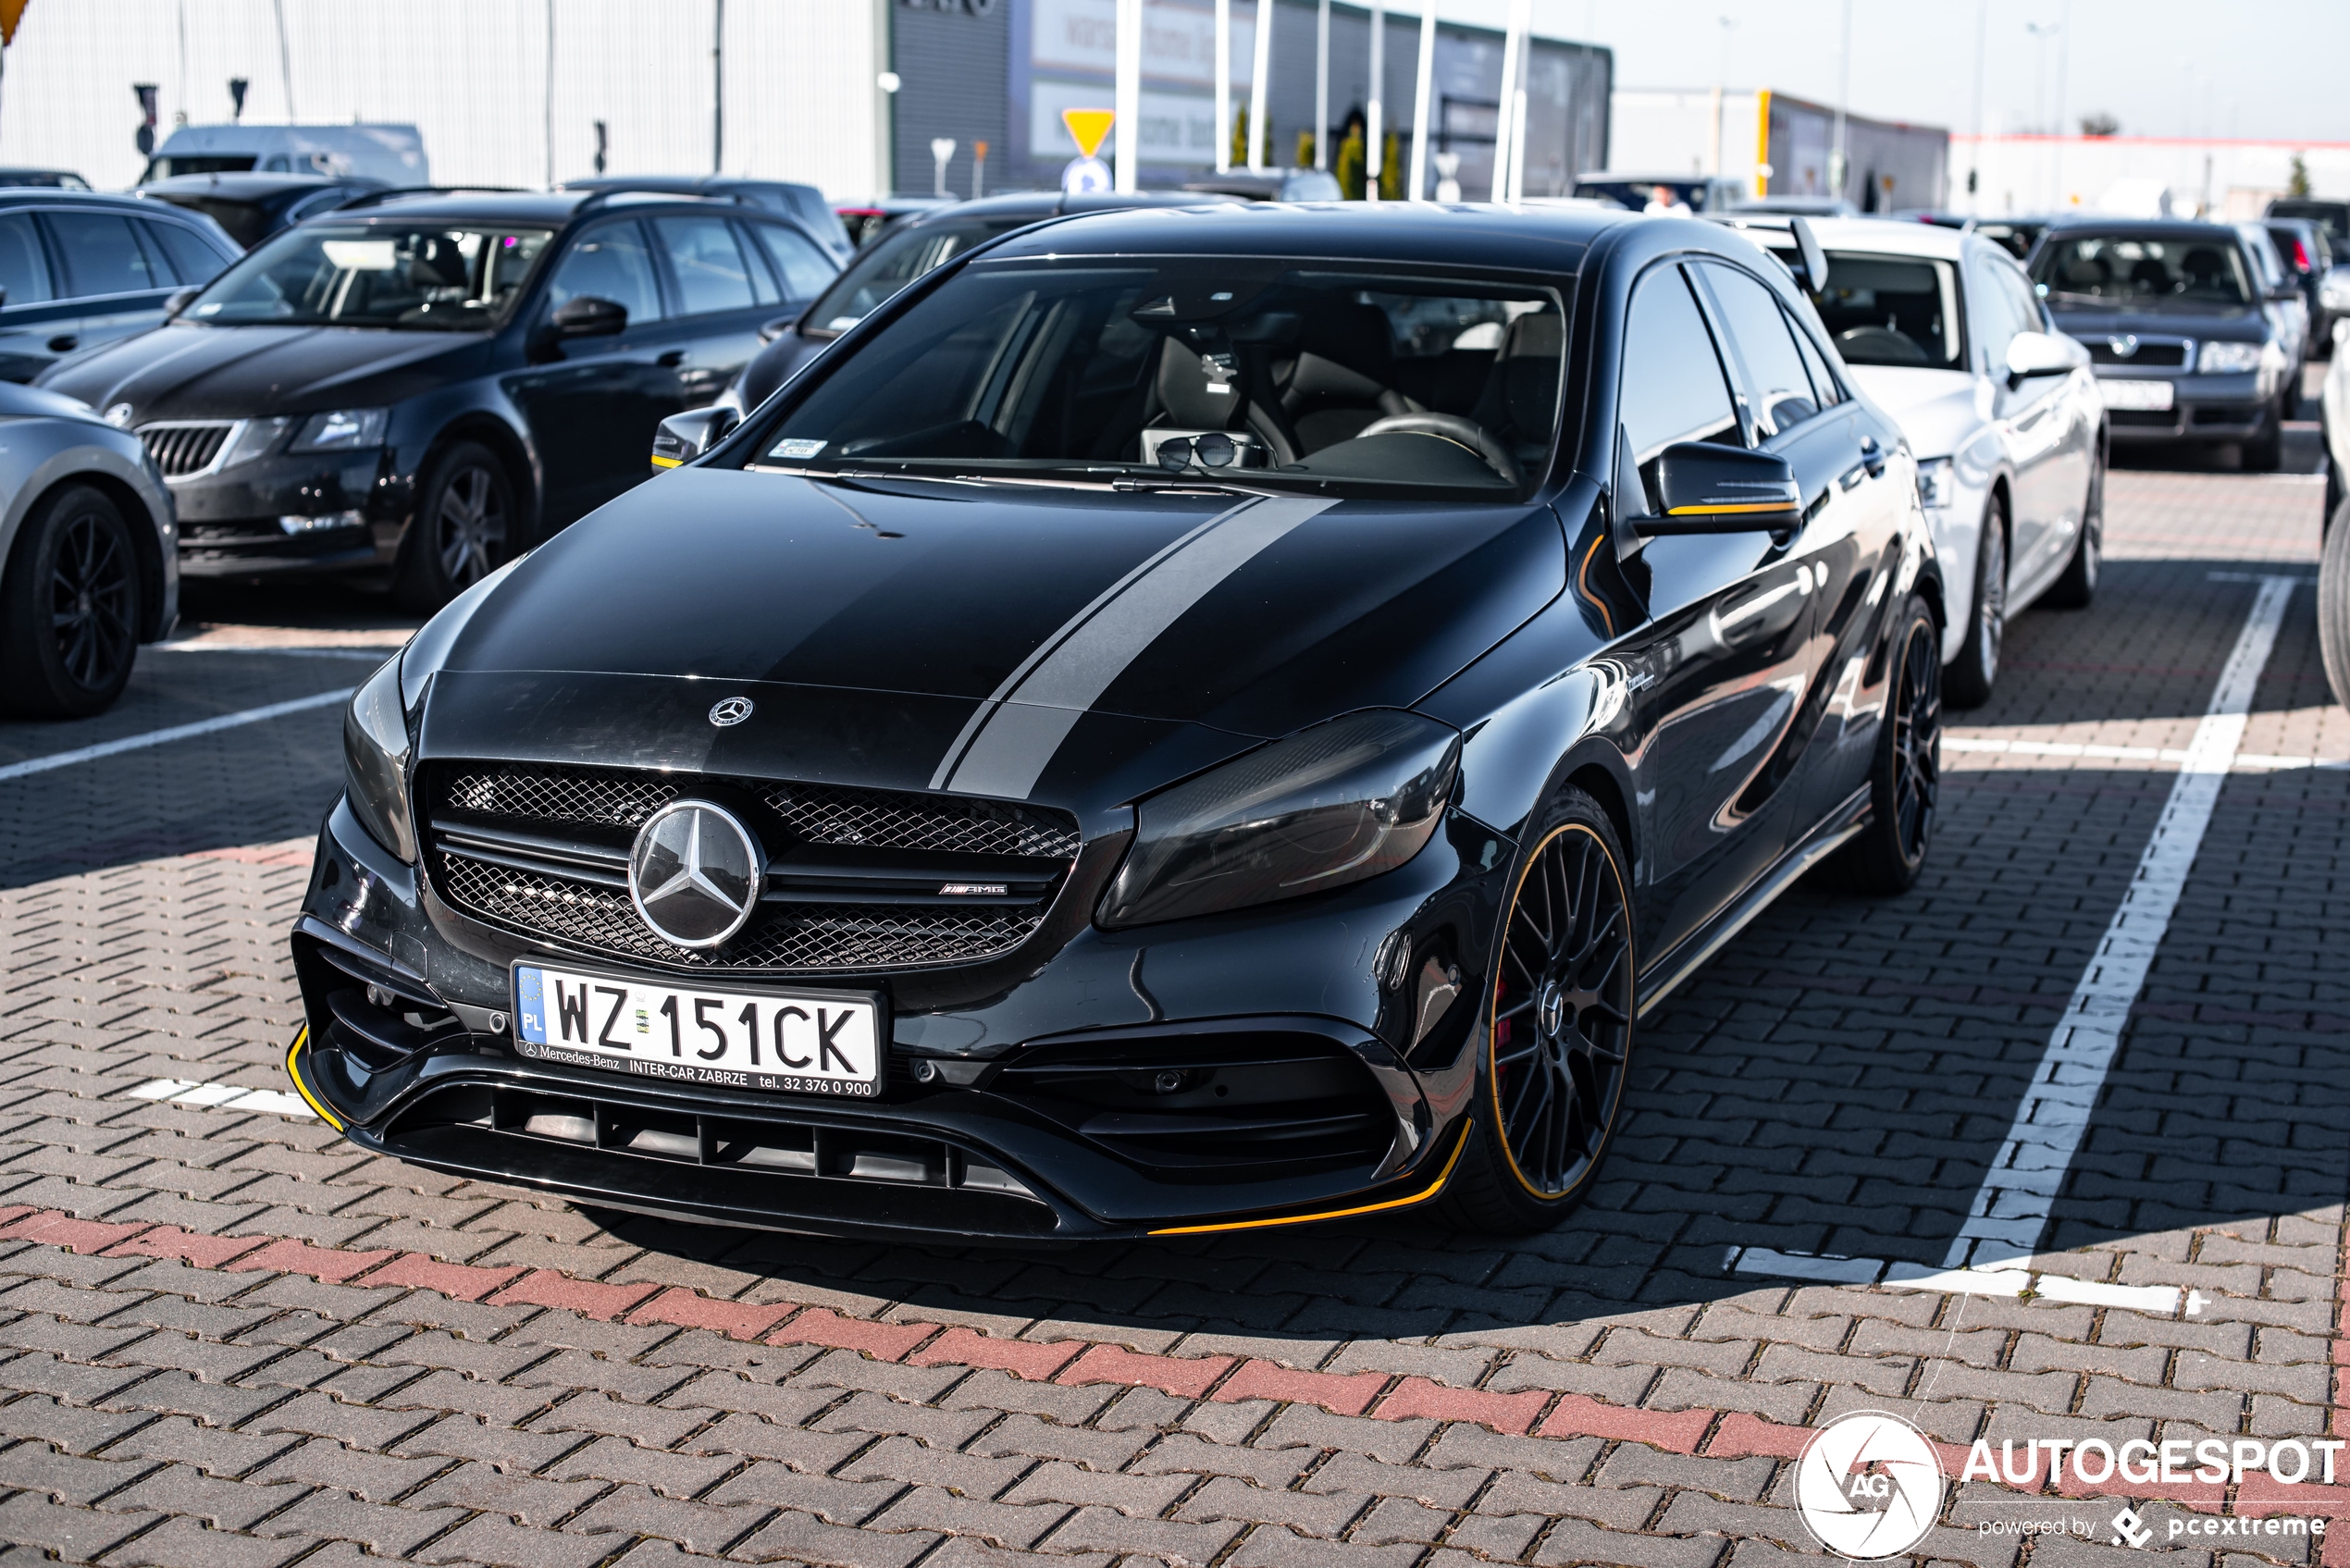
695, 873
730, 710
2125, 346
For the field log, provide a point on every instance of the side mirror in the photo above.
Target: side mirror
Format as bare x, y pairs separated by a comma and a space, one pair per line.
588, 317
1714, 490
771, 330
1814, 274
2043, 353
179, 301
685, 436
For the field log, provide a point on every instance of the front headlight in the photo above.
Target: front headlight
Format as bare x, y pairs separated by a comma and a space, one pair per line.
2228, 359
2333, 294
346, 429
1332, 805
375, 755
1936, 478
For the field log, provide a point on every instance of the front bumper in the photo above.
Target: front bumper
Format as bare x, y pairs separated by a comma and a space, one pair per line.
999, 1119
229, 517
2203, 408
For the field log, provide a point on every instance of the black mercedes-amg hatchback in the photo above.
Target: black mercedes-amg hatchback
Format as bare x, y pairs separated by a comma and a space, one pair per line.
1184, 721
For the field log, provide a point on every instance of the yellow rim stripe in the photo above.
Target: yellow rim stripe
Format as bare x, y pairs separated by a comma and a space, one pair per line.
1731, 506
660, 462
303, 1089
1434, 1187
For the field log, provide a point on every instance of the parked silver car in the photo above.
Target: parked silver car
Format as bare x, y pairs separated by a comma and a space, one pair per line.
1943, 330
92, 564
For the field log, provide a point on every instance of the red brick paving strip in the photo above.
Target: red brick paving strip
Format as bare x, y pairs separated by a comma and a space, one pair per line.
1738, 1436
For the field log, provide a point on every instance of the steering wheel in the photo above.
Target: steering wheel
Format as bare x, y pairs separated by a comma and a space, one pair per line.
1878, 345
1453, 427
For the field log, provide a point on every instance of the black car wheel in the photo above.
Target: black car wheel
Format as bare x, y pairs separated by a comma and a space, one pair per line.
1905, 778
2265, 453
70, 610
1977, 666
2077, 584
465, 516
1560, 1031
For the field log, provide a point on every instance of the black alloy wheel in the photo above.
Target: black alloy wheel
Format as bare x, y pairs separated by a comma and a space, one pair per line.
70, 610
1905, 780
2077, 584
1560, 1031
1973, 672
465, 518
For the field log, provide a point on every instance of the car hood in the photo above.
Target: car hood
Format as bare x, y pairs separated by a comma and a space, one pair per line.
1939, 410
2089, 324
983, 638
186, 372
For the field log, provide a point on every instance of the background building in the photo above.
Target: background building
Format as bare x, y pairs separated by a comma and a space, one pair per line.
2217, 176
1780, 145
513, 92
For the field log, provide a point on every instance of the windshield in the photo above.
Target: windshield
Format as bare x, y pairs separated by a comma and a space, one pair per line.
1193, 370
894, 261
2140, 273
248, 223
2333, 217
1893, 310
412, 278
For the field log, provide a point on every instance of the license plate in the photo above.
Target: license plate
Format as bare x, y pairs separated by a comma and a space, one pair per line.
2156, 395
814, 1042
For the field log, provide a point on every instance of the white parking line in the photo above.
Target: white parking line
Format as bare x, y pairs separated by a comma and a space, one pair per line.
176, 732
228, 1096
1992, 1253
2246, 761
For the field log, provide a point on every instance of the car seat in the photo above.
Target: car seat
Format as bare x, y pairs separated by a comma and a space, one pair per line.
1223, 390
1342, 377
1520, 402
2148, 275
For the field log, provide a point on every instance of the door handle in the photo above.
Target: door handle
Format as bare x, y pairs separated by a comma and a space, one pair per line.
671, 360
1871, 456
64, 343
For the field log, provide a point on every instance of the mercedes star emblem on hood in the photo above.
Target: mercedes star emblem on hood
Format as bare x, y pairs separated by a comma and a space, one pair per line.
730, 710
695, 873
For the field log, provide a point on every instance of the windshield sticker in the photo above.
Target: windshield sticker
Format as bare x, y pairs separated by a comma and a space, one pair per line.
797, 448
361, 256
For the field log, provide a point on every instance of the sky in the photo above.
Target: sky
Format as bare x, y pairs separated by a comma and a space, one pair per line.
2257, 68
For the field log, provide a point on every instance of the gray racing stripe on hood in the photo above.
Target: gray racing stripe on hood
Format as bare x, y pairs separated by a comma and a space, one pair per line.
1013, 735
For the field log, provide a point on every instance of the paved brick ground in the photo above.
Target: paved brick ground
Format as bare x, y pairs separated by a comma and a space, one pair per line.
225, 1337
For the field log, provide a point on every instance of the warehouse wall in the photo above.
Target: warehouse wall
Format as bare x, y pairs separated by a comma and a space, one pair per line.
473, 75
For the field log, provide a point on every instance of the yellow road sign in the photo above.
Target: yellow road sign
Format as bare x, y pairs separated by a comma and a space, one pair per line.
1090, 127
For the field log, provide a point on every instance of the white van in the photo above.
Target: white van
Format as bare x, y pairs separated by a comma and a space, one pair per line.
393, 154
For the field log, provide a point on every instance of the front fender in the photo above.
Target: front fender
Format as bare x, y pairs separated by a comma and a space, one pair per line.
38, 454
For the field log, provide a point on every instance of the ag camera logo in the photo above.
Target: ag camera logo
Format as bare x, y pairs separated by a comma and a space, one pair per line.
1868, 1486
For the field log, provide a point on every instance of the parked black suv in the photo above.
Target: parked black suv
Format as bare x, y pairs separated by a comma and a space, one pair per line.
78, 269
429, 383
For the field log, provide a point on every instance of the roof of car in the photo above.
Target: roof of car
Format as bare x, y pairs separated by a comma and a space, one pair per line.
249, 187
1891, 236
2143, 227
454, 205
52, 195
1406, 231
1036, 205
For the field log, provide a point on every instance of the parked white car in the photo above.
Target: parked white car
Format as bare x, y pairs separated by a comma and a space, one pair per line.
1941, 327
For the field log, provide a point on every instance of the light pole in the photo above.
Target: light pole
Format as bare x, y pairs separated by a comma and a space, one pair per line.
1128, 107
2041, 32
1982, 45
1260, 71
1223, 86
1322, 85
1839, 156
1421, 91
1374, 162
1721, 89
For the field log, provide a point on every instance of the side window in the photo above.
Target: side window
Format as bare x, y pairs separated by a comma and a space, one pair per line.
1995, 315
1673, 388
2027, 302
610, 263
103, 255
1777, 386
184, 253
24, 270
710, 271
804, 269
1826, 390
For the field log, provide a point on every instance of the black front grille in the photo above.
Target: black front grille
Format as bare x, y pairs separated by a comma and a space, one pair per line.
181, 450
855, 877
2150, 419
2170, 355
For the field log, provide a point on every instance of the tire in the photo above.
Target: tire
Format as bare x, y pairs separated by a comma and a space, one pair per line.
1560, 1014
1967, 681
2265, 453
69, 607
1905, 774
464, 522
2077, 584
2333, 604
